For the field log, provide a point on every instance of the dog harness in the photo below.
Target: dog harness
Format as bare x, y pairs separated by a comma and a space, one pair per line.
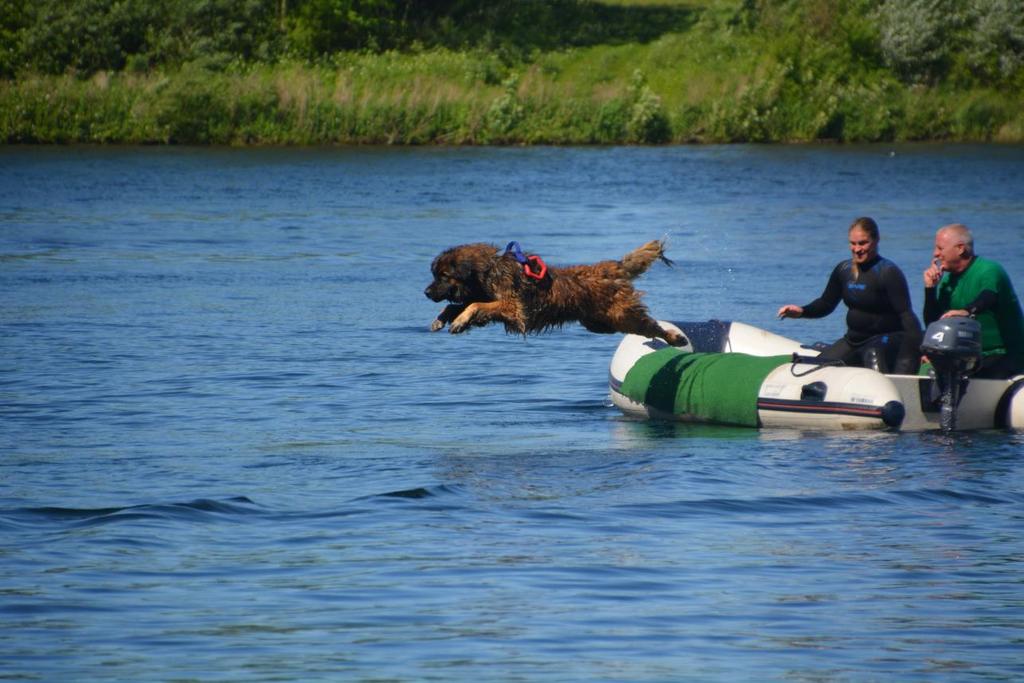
517, 251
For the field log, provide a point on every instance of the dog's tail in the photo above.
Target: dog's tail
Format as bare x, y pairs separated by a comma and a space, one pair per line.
640, 259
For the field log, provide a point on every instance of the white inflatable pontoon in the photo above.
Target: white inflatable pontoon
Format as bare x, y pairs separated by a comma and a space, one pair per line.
732, 362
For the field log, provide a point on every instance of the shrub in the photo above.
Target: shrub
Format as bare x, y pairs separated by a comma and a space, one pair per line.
996, 44
647, 120
194, 109
916, 36
979, 117
505, 112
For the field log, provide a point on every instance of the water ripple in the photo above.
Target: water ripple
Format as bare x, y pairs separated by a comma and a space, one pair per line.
809, 504
197, 511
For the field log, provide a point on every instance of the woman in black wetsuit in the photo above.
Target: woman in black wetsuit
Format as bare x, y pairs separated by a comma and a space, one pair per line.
882, 331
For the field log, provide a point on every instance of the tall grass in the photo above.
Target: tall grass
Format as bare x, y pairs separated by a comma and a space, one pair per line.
714, 83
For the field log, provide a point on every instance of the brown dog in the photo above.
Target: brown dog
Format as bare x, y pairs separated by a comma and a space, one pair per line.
485, 285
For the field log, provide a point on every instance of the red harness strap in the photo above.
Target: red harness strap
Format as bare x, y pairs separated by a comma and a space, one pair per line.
517, 251
543, 267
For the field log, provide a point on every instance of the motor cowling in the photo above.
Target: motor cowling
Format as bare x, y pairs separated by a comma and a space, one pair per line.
953, 342
953, 345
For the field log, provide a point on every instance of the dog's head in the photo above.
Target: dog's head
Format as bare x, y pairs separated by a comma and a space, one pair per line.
457, 273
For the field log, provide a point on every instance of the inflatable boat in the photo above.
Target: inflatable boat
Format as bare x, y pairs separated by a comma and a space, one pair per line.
737, 374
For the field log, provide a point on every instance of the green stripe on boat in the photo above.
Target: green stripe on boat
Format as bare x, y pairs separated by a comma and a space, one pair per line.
716, 387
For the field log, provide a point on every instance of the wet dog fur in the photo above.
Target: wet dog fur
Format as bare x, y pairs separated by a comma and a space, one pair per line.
487, 285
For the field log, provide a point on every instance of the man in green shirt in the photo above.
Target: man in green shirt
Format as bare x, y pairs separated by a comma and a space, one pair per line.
959, 282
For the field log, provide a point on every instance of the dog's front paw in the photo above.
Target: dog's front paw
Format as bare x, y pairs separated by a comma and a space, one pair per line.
450, 313
464, 320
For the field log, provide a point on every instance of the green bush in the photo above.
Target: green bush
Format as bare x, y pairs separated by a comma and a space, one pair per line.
505, 113
647, 122
979, 117
916, 36
995, 50
194, 108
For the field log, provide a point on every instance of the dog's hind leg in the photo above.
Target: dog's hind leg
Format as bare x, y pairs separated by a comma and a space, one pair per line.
646, 326
640, 259
480, 314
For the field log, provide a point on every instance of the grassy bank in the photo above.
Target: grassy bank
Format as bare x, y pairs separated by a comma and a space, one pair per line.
709, 79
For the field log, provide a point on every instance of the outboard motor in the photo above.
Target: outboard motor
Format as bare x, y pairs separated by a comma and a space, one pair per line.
953, 345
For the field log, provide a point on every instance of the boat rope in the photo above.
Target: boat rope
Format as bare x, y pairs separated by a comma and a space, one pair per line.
811, 360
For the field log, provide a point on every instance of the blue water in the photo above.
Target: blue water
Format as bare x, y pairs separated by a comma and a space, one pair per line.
231, 450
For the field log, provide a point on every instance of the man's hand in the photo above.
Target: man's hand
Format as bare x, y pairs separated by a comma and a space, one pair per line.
933, 274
